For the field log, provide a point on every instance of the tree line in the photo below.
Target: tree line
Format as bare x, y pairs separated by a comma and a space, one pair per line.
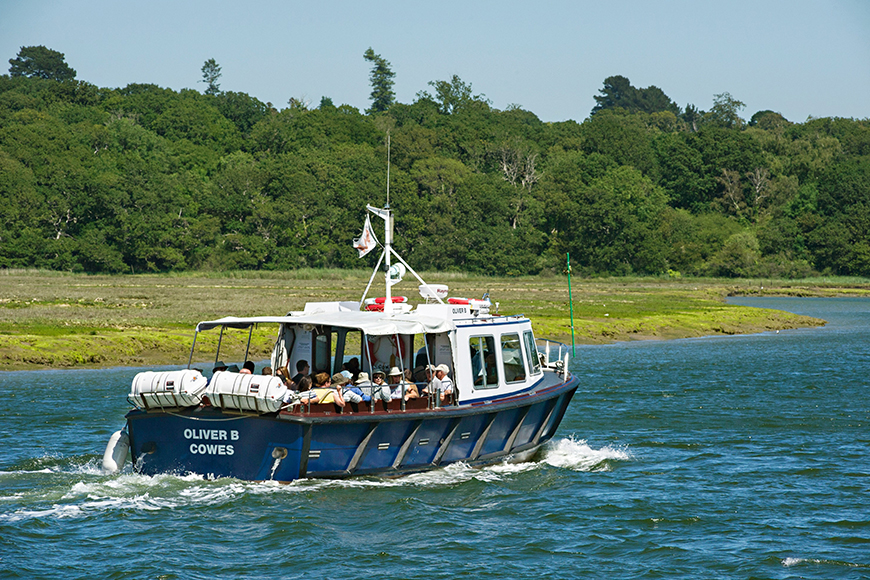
149, 179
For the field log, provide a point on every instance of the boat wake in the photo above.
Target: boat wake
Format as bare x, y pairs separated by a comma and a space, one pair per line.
77, 487
789, 562
575, 454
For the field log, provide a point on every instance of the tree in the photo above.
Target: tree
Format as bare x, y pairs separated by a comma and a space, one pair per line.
211, 72
618, 93
692, 115
40, 62
381, 78
768, 120
452, 95
725, 111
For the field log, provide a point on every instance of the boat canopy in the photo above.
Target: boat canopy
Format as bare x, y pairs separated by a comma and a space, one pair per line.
372, 324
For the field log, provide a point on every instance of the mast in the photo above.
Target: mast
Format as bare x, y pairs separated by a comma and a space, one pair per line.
388, 238
386, 214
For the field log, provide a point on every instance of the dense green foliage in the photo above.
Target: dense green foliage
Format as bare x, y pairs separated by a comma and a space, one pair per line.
41, 62
148, 179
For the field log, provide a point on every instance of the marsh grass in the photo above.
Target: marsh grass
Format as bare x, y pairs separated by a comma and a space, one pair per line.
63, 319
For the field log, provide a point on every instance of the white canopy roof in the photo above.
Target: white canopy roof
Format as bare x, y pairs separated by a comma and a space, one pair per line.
371, 323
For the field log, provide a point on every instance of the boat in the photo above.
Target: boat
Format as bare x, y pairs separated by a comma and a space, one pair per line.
508, 395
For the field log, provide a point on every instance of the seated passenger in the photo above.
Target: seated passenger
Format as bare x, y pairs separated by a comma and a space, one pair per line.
304, 395
302, 370
439, 381
350, 393
373, 390
381, 389
397, 382
325, 392
282, 374
353, 367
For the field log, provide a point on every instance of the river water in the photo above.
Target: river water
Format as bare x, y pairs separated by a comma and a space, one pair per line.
726, 457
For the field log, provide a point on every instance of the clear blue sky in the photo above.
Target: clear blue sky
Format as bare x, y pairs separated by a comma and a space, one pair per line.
798, 57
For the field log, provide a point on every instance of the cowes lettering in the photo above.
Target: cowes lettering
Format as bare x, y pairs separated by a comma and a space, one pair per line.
211, 449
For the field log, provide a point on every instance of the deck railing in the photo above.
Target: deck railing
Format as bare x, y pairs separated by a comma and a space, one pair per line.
553, 354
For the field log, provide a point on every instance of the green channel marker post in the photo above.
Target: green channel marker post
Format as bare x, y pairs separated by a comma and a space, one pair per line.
571, 303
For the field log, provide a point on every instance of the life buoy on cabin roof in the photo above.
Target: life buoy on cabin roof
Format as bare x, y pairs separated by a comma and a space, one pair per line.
377, 304
473, 303
382, 299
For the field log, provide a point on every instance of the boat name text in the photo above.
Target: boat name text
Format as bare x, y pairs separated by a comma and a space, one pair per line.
211, 434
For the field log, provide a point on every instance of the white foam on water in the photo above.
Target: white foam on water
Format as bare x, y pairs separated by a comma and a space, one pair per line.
575, 454
793, 561
788, 562
94, 491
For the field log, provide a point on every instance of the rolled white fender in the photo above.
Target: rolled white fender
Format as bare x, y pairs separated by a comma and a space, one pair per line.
116, 451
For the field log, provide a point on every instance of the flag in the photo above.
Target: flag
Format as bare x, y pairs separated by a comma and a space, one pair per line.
367, 241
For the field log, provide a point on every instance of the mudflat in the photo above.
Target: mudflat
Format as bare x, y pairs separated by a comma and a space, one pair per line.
54, 319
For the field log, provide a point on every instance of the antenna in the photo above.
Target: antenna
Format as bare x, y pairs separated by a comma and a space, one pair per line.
388, 169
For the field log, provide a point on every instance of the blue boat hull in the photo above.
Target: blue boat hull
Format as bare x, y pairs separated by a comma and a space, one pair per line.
288, 446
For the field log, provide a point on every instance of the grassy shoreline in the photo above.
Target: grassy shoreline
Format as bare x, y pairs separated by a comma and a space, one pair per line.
62, 320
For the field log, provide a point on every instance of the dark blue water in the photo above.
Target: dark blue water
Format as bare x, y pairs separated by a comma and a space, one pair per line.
733, 457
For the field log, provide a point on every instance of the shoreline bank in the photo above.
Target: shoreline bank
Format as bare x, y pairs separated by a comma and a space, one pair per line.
77, 321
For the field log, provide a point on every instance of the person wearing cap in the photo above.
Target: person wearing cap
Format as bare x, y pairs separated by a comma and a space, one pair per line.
438, 379
397, 381
248, 368
446, 384
349, 394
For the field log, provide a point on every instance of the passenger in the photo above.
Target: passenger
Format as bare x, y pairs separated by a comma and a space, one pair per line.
353, 366
325, 392
282, 374
381, 390
306, 394
350, 393
233, 369
373, 391
446, 384
362, 381
339, 381
397, 381
302, 370
430, 379
248, 368
419, 374
438, 379
219, 366
267, 371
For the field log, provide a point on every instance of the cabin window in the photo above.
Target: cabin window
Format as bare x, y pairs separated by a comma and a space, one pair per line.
532, 353
322, 344
483, 365
512, 358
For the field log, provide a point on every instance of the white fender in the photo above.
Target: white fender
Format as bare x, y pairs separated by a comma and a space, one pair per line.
116, 451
